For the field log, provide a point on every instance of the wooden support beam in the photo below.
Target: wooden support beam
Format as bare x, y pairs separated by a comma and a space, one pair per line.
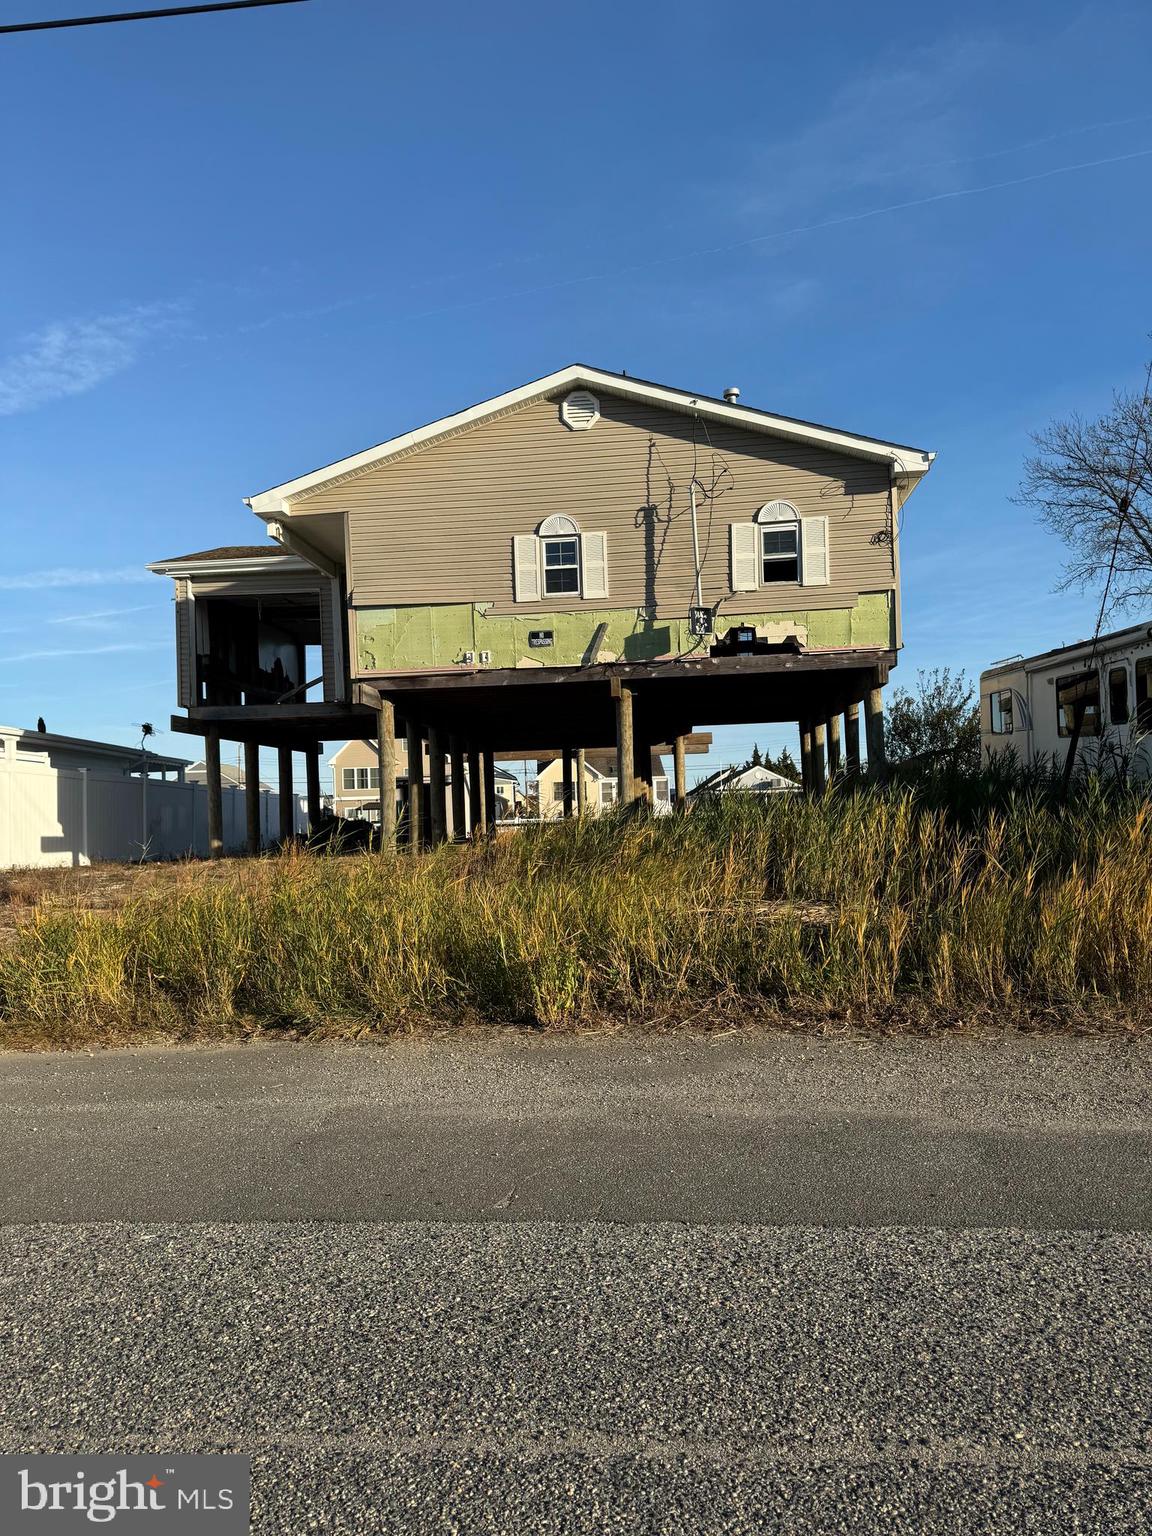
625, 789
437, 806
806, 775
386, 760
581, 782
852, 739
312, 771
566, 781
835, 759
874, 734
252, 795
819, 781
215, 795
456, 769
475, 793
415, 740
491, 806
287, 794
679, 774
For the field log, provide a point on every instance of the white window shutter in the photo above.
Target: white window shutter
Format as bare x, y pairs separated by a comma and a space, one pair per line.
742, 539
814, 551
526, 568
594, 557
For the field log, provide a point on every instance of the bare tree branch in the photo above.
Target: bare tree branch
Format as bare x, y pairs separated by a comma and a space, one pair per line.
1091, 482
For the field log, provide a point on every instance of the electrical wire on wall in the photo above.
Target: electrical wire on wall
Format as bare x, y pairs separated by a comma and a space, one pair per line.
716, 480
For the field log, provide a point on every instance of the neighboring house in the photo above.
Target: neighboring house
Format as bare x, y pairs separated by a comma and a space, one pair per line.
667, 557
356, 782
68, 801
1028, 704
751, 779
509, 792
356, 779
76, 752
602, 785
231, 774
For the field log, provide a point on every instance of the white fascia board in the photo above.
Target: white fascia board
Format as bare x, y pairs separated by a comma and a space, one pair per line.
275, 563
908, 462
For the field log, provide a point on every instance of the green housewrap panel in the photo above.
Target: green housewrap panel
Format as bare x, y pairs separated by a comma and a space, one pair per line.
403, 639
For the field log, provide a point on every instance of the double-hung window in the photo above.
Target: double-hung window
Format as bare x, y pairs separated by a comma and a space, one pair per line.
779, 552
561, 566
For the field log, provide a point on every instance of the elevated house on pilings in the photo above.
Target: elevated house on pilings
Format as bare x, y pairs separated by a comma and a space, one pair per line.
588, 561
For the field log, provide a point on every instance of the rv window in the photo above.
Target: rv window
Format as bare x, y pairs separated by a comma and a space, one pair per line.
1118, 695
1000, 705
1070, 692
1143, 692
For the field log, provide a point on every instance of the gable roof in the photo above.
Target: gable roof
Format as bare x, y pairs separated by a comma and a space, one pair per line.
744, 776
908, 464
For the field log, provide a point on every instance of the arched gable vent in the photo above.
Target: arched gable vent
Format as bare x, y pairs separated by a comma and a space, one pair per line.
580, 410
557, 525
777, 512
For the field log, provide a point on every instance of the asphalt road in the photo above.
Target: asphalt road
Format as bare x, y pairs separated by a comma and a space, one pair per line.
778, 1129
904, 1287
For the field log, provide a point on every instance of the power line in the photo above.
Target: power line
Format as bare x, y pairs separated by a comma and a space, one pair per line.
180, 10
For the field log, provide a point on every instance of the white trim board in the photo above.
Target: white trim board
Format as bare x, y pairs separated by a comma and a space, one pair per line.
908, 464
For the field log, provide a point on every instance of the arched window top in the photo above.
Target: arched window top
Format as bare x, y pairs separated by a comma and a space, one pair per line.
558, 525
777, 512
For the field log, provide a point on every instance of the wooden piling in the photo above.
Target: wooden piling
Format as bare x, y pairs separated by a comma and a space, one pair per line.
414, 738
215, 795
437, 803
386, 761
625, 787
286, 796
491, 806
819, 780
835, 760
252, 795
680, 774
566, 781
874, 734
312, 771
852, 739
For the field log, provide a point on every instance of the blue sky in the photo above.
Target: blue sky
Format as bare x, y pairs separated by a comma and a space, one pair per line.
240, 246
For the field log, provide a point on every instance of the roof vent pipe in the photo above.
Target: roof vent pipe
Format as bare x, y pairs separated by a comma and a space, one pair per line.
732, 394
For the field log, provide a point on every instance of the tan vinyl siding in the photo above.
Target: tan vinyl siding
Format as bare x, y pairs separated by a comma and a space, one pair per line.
333, 666
436, 526
185, 661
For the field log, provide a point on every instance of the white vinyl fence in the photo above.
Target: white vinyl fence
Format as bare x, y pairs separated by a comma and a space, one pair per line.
68, 816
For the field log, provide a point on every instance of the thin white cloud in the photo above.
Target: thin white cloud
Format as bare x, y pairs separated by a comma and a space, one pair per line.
70, 357
73, 576
103, 616
84, 650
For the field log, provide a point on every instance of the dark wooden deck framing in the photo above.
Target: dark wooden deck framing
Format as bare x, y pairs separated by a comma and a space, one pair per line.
471, 717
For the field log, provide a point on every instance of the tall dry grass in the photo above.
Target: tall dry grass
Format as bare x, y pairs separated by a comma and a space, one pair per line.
867, 902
